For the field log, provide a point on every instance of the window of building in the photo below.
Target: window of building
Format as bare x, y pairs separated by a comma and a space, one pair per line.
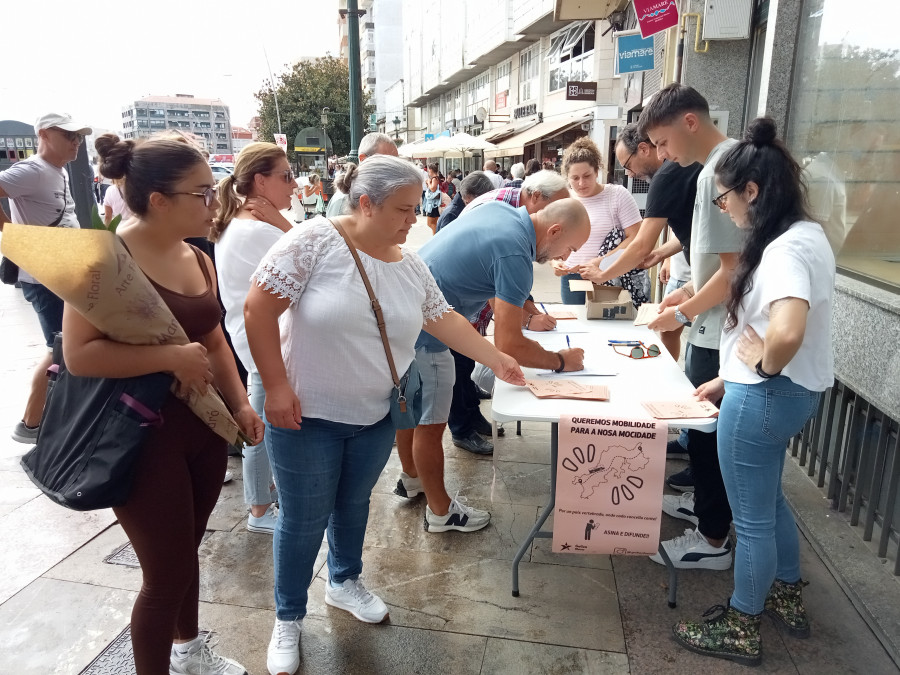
457, 103
844, 129
143, 124
157, 112
528, 73
222, 146
201, 115
140, 112
479, 91
501, 79
157, 124
571, 55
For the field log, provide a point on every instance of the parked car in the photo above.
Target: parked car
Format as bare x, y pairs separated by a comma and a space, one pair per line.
219, 172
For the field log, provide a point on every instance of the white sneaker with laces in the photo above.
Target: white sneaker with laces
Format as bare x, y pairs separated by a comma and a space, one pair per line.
460, 517
228, 477
680, 506
408, 487
283, 657
265, 523
691, 551
200, 659
352, 596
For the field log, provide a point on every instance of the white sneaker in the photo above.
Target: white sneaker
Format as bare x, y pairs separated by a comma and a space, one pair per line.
408, 487
680, 506
265, 523
691, 551
200, 659
228, 477
459, 517
352, 596
284, 648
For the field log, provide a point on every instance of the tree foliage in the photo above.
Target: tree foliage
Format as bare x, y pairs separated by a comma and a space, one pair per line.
302, 92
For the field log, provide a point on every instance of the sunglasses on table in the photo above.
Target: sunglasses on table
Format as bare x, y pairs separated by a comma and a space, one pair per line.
638, 350
208, 195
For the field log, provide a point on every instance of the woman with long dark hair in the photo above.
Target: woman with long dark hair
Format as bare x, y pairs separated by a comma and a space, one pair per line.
776, 360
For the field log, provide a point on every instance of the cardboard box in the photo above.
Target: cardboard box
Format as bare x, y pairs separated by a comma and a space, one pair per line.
604, 302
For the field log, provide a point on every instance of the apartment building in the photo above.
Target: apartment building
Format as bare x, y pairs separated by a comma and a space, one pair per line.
208, 119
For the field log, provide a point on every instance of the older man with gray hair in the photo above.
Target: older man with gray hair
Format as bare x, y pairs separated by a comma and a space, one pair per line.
370, 145
537, 191
517, 173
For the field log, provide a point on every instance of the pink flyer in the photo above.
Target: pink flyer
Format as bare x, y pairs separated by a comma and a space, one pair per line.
609, 485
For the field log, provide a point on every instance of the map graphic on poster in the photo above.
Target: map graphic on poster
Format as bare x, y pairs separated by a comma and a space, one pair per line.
609, 485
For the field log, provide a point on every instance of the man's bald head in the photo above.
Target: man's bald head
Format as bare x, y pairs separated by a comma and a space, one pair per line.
490, 165
561, 228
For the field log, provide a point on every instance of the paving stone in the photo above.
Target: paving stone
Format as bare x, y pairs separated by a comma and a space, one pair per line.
509, 657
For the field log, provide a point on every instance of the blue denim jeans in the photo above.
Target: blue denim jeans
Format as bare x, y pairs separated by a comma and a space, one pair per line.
570, 297
325, 473
257, 470
47, 306
755, 424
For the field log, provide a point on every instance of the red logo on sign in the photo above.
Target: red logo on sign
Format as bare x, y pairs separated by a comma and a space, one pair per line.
655, 15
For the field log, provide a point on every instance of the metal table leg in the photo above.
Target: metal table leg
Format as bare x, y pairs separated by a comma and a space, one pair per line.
673, 575
536, 530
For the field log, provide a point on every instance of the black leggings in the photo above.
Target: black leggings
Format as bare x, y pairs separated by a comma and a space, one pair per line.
179, 477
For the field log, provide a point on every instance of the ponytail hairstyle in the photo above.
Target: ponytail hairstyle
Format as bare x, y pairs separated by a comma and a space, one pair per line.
378, 177
156, 165
781, 201
582, 150
234, 189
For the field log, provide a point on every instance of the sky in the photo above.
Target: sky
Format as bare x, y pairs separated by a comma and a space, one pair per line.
96, 56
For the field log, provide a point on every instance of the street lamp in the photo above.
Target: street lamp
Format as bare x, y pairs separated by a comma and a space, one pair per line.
396, 121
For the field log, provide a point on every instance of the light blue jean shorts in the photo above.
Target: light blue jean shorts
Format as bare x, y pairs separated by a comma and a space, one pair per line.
438, 373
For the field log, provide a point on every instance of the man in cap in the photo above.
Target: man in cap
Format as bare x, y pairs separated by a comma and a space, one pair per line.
39, 194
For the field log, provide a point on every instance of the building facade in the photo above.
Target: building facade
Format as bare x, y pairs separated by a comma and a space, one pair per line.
207, 119
240, 138
503, 71
381, 57
17, 141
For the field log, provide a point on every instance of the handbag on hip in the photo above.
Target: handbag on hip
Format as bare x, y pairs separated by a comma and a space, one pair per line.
406, 398
91, 435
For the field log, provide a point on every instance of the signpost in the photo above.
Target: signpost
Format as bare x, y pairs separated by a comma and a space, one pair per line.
634, 53
281, 141
655, 15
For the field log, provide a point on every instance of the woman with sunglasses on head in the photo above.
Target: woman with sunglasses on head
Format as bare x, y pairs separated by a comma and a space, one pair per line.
169, 188
776, 360
248, 223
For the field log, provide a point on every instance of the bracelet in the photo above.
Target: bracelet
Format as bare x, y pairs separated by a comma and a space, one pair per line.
763, 374
528, 321
562, 363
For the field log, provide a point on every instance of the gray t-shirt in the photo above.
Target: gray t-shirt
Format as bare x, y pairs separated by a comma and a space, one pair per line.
712, 232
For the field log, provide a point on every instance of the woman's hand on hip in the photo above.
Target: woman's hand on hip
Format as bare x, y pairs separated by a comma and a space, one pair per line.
283, 407
750, 348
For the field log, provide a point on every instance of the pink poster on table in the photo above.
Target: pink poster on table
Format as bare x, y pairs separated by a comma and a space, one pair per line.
609, 485
655, 15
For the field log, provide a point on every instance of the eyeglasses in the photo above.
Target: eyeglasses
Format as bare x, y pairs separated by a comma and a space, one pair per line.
287, 175
70, 136
627, 162
638, 351
718, 200
208, 195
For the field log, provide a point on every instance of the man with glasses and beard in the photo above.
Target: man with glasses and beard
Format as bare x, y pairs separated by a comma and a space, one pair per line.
39, 194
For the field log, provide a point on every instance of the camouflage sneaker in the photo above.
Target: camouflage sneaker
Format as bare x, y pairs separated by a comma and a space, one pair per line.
785, 604
730, 634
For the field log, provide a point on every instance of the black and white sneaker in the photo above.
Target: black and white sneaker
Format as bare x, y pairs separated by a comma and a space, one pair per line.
691, 551
680, 506
459, 517
408, 487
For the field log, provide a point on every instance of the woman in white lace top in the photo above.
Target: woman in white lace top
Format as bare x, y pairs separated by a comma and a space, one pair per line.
329, 432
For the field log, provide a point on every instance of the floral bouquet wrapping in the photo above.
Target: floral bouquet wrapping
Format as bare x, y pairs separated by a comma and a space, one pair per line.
91, 271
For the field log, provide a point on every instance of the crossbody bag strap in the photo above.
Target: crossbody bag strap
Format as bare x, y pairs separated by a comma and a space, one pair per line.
376, 307
65, 202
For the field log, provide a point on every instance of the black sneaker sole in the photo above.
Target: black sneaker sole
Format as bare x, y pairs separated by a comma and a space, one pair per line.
728, 656
681, 488
401, 491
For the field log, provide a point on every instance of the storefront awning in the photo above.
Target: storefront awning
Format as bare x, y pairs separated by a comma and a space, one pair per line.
515, 146
498, 134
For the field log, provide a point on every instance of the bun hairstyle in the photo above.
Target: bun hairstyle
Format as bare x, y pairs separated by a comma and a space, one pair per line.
378, 177
761, 158
583, 150
254, 159
146, 167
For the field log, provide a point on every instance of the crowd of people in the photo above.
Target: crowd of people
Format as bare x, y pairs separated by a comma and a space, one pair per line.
749, 275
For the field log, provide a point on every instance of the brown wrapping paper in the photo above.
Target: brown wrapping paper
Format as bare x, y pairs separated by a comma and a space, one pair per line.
93, 273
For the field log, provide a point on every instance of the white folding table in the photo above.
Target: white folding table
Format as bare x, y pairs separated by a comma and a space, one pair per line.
650, 379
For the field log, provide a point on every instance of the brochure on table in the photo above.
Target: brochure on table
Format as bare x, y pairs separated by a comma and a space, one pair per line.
609, 485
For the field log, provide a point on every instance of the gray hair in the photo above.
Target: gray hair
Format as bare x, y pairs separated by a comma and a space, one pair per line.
517, 170
378, 177
548, 183
630, 137
370, 143
475, 185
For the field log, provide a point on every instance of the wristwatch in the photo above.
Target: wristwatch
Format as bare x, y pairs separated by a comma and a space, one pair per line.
681, 317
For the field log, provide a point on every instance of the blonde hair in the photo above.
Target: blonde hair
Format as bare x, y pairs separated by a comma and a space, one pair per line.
233, 189
582, 150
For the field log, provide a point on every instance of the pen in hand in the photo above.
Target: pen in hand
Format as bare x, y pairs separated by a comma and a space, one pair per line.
544, 309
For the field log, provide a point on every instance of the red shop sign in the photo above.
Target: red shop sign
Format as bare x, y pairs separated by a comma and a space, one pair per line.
655, 15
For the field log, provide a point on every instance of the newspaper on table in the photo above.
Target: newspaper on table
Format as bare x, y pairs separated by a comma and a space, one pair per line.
94, 274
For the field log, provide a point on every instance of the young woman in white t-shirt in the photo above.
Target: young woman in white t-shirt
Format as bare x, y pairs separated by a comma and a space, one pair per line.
317, 346
615, 221
248, 223
776, 360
